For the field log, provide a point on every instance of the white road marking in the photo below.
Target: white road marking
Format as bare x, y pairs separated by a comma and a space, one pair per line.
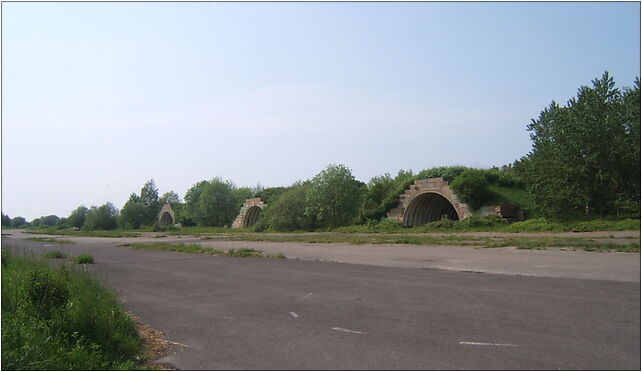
347, 330
484, 344
308, 295
48, 245
177, 343
293, 314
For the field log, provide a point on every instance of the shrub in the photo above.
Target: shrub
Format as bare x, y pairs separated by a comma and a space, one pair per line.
244, 252
472, 187
54, 318
334, 196
535, 225
84, 259
55, 254
101, 218
287, 213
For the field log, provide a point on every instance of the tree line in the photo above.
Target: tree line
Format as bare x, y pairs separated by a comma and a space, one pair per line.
584, 164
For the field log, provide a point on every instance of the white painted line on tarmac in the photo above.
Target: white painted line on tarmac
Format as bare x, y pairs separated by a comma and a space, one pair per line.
48, 245
347, 330
293, 314
308, 295
484, 344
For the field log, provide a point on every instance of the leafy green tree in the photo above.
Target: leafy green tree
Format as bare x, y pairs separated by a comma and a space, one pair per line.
171, 198
18, 222
104, 217
377, 189
334, 196
133, 214
45, 221
211, 203
149, 198
77, 217
287, 213
240, 194
6, 220
62, 223
585, 160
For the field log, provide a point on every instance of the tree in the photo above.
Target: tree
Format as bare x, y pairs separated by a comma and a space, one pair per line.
585, 160
104, 217
377, 189
77, 216
171, 198
211, 203
6, 220
334, 196
133, 214
240, 195
149, 198
287, 213
18, 222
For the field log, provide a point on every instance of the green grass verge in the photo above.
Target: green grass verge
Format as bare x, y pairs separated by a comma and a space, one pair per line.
96, 233
51, 240
589, 244
55, 254
196, 248
84, 259
57, 318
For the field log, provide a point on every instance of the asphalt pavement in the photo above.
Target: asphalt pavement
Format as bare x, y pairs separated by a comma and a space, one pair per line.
257, 313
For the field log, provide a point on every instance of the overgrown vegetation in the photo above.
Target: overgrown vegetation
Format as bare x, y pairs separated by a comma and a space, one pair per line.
589, 244
51, 240
196, 248
585, 160
55, 254
57, 318
84, 259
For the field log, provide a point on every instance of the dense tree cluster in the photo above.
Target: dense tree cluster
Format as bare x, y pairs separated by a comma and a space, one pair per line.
585, 160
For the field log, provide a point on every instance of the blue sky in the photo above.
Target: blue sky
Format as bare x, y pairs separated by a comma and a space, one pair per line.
100, 97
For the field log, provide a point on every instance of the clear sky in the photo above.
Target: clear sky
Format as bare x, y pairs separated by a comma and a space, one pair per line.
97, 98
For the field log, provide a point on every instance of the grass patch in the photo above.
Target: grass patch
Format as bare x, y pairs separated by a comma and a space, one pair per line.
51, 240
55, 254
84, 259
190, 248
196, 248
278, 255
244, 252
585, 243
96, 233
57, 318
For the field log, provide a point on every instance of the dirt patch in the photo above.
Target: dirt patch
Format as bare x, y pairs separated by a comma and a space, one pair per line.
154, 345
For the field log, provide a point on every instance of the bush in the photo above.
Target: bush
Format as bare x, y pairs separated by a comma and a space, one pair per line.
472, 188
84, 259
244, 252
54, 318
101, 218
536, 225
55, 254
287, 213
333, 196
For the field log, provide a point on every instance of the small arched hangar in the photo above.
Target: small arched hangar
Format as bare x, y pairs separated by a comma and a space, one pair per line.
249, 213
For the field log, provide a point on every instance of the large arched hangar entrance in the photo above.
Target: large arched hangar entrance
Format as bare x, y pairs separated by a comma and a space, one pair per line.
428, 207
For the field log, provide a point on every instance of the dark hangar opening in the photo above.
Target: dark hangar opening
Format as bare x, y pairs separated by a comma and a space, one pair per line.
427, 208
251, 216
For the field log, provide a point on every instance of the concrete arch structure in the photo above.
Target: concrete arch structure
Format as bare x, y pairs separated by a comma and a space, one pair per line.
427, 200
166, 215
249, 213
